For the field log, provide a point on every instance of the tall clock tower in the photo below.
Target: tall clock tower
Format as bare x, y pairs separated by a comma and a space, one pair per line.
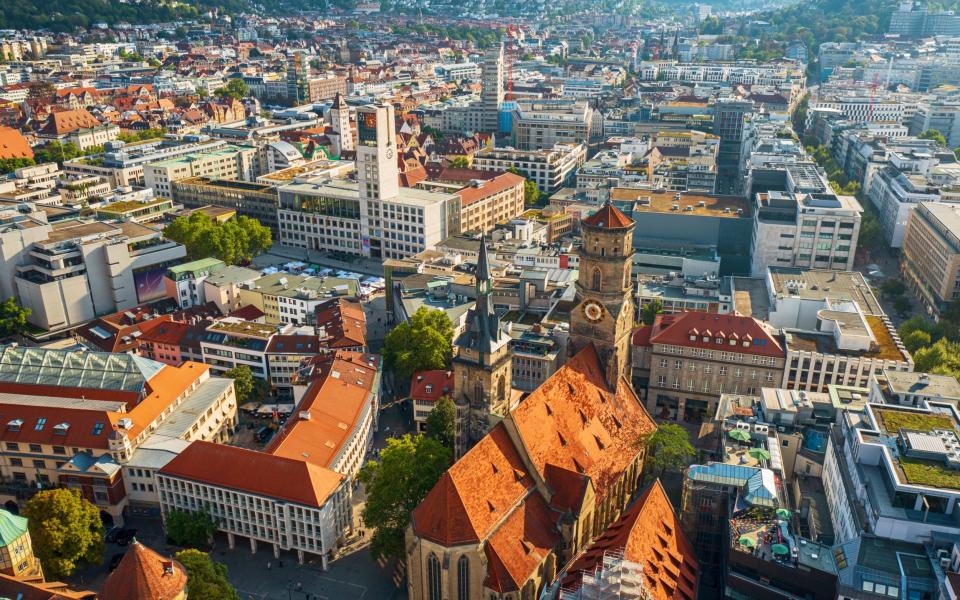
604, 311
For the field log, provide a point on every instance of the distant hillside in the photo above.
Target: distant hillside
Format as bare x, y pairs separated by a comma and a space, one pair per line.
67, 15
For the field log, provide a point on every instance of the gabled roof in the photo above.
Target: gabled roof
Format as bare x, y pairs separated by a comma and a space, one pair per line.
520, 544
255, 472
573, 422
144, 575
67, 121
608, 217
13, 144
649, 534
475, 494
430, 386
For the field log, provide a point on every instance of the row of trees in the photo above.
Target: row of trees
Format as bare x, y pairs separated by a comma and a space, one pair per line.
235, 242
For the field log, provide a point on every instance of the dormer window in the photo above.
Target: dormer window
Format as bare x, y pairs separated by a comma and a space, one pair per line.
719, 340
429, 388
693, 338
733, 342
41, 423
15, 424
746, 343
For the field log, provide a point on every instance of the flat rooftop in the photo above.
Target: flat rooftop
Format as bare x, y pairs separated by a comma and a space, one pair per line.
244, 328
69, 230
824, 343
343, 188
925, 384
820, 284
689, 203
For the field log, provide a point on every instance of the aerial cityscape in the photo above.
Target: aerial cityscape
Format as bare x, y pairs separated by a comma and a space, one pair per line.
480, 300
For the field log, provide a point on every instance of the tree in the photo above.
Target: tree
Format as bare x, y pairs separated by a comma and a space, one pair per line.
902, 305
206, 577
236, 88
916, 339
421, 344
942, 357
933, 134
235, 242
441, 422
9, 165
531, 193
408, 468
649, 312
13, 318
244, 384
893, 288
460, 162
66, 530
668, 449
190, 529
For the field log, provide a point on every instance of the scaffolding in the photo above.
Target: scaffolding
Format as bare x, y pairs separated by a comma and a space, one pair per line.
614, 578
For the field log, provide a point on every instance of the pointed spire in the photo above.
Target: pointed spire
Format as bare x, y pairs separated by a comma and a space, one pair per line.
483, 263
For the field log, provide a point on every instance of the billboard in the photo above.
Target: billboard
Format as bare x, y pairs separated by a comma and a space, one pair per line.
149, 284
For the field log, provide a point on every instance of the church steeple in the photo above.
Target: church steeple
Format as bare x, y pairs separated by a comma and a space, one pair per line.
484, 330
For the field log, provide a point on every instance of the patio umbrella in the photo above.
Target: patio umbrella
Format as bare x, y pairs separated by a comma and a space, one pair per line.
783, 513
739, 435
760, 453
746, 542
780, 549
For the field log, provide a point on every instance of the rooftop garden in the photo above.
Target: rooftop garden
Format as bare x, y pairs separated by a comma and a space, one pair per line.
926, 472
127, 205
895, 420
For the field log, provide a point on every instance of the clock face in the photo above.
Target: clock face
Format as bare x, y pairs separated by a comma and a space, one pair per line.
389, 152
592, 310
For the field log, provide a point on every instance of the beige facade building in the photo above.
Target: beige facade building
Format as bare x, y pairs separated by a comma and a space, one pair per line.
229, 162
930, 259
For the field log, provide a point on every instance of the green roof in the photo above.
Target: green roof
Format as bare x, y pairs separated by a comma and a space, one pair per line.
11, 527
197, 265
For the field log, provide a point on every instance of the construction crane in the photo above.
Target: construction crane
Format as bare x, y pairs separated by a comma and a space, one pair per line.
873, 95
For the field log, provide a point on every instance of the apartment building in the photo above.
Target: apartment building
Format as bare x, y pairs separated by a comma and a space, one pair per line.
930, 256
184, 282
232, 342
68, 272
695, 357
81, 430
771, 74
292, 299
227, 162
255, 200
486, 202
542, 124
550, 169
426, 389
223, 288
896, 194
817, 230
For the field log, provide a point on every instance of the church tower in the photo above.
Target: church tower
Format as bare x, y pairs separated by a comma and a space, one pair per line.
340, 121
604, 313
481, 365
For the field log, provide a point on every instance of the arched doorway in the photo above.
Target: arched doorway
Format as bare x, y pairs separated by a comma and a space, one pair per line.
11, 507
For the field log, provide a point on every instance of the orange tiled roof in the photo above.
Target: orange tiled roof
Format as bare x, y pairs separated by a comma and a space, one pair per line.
573, 422
520, 544
67, 121
501, 182
255, 472
609, 217
677, 329
144, 575
343, 322
475, 494
649, 533
13, 144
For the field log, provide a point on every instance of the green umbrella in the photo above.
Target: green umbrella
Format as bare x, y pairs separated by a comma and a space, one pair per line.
783, 513
746, 542
759, 453
739, 435
780, 549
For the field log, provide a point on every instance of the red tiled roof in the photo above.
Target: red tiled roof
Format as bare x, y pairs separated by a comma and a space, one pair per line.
677, 329
13, 144
641, 336
254, 472
144, 575
67, 121
344, 323
430, 386
608, 217
293, 344
520, 544
649, 534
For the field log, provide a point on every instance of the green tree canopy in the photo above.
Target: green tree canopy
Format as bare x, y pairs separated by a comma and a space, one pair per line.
460, 162
916, 339
649, 312
421, 344
66, 530
933, 134
531, 193
408, 468
244, 384
9, 165
668, 449
441, 422
207, 578
190, 529
942, 357
235, 242
235, 88
13, 318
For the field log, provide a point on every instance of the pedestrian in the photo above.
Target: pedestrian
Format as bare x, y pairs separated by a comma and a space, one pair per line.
268, 565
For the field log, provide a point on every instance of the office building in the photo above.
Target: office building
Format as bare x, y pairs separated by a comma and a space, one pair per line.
255, 200
930, 256
896, 194
542, 124
551, 169
804, 230
228, 162
492, 94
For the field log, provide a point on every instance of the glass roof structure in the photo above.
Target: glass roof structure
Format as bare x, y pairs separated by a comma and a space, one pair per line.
69, 368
